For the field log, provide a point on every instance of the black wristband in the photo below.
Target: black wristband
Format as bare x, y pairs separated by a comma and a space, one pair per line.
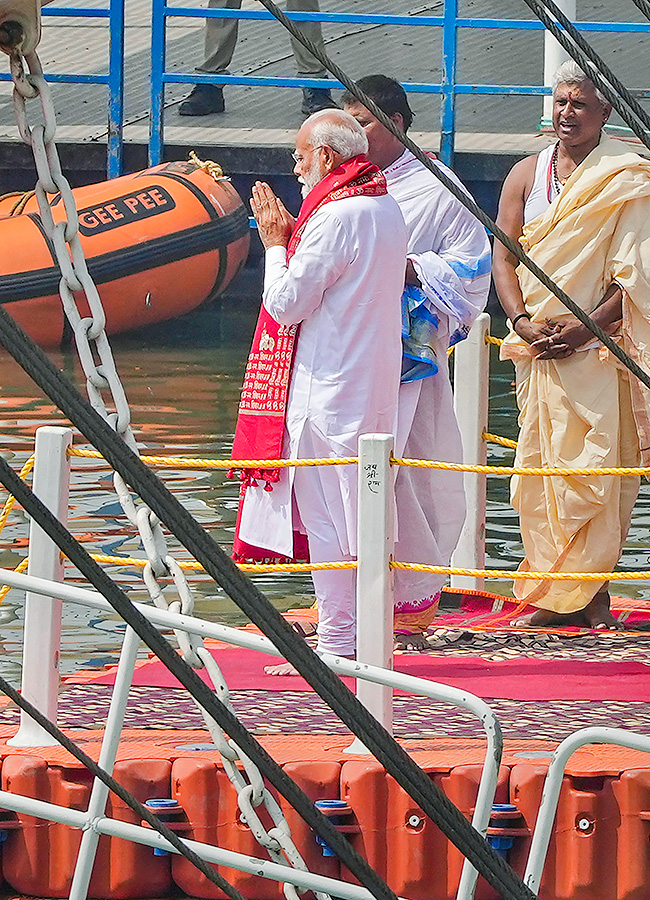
523, 315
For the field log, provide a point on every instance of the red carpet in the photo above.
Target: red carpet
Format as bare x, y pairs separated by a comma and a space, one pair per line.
521, 679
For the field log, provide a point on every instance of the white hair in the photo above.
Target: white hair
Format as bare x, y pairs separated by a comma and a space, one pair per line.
337, 129
571, 73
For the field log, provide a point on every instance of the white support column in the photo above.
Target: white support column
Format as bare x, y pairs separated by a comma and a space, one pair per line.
108, 754
471, 396
42, 632
554, 56
375, 547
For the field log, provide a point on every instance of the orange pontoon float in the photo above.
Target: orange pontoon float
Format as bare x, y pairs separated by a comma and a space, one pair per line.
158, 243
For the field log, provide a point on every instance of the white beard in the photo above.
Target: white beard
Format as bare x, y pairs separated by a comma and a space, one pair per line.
311, 178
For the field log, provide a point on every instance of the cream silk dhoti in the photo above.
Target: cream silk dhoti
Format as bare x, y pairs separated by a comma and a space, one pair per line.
583, 411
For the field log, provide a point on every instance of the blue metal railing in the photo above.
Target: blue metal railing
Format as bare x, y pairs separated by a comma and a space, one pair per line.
114, 79
448, 88
448, 23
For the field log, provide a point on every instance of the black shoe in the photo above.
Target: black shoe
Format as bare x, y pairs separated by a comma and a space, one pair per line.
204, 99
315, 99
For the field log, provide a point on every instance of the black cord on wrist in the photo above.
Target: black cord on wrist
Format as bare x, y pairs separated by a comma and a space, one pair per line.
523, 315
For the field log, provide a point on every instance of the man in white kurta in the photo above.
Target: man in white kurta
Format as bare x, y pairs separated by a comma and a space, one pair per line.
449, 261
343, 285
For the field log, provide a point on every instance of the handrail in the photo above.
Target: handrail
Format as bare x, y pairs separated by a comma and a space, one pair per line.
553, 784
114, 79
448, 87
351, 668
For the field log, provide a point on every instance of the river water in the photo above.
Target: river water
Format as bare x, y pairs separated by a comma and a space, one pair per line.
182, 381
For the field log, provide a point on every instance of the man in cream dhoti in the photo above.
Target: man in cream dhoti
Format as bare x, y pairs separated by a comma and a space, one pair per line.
447, 283
325, 362
582, 212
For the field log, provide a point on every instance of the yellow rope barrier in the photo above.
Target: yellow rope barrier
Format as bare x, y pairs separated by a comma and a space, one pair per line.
258, 568
186, 462
262, 568
497, 439
10, 502
489, 339
509, 470
181, 462
532, 576
21, 567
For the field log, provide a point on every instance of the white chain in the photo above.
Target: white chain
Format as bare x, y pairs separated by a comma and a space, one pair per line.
101, 375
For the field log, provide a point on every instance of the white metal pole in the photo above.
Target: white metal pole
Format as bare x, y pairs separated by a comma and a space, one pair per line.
42, 632
471, 396
554, 56
375, 545
107, 756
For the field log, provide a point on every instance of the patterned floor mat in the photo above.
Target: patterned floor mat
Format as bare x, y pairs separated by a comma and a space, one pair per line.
292, 712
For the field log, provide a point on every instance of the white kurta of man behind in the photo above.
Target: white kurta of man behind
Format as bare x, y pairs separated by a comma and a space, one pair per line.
450, 252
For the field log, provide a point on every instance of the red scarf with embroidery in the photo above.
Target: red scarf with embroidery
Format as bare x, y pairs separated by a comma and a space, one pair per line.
259, 433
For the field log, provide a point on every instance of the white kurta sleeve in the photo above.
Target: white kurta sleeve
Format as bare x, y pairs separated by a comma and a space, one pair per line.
292, 292
456, 283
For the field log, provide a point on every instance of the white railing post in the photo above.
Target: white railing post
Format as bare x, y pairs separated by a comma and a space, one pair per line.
42, 632
471, 396
375, 545
554, 56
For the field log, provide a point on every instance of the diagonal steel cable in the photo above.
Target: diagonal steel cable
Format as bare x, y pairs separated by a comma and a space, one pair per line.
644, 6
593, 65
76, 286
513, 246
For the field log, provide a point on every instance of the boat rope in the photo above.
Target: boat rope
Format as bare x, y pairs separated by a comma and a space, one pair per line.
22, 198
212, 168
120, 791
594, 66
76, 288
262, 613
513, 246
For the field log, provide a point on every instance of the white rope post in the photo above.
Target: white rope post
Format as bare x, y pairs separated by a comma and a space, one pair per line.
554, 56
42, 632
375, 545
471, 396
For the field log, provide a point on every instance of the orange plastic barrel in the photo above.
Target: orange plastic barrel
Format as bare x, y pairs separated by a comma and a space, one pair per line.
39, 858
158, 244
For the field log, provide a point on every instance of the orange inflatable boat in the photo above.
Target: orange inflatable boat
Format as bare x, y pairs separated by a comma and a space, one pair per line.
158, 243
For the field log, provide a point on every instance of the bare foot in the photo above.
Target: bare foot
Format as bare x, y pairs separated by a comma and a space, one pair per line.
416, 641
283, 669
543, 618
597, 614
